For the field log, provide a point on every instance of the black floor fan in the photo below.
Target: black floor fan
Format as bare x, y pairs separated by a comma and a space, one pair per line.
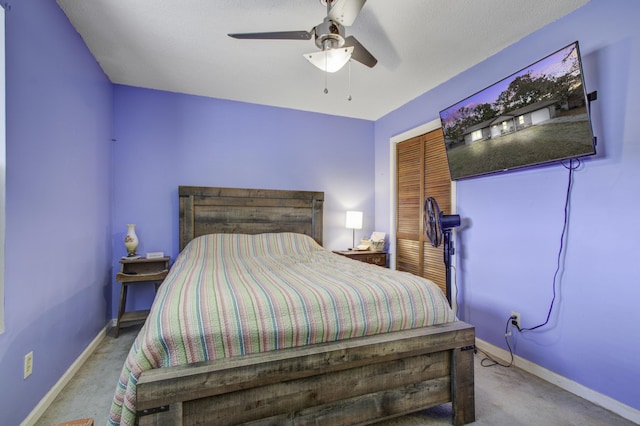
437, 227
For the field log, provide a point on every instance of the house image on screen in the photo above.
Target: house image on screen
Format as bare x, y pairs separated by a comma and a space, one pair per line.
511, 122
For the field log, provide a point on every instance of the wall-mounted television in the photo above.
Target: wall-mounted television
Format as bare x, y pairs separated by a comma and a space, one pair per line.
538, 115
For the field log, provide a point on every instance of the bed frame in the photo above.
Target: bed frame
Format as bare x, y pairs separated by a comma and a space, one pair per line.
349, 382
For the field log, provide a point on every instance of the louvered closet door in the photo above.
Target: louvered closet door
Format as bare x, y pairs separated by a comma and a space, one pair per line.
421, 171
409, 180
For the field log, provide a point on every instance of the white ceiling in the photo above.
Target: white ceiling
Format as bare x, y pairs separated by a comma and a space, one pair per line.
182, 46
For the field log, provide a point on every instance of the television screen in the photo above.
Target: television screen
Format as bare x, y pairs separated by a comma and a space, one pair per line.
536, 116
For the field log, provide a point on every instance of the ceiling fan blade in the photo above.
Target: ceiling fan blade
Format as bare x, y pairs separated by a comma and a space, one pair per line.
360, 54
280, 35
345, 11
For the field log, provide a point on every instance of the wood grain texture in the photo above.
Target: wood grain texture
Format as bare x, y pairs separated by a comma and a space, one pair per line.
373, 257
421, 171
206, 210
348, 382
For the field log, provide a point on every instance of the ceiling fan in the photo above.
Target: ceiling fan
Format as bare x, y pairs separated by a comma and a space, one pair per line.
336, 49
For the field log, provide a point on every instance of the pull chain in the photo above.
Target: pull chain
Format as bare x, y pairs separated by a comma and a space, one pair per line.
325, 74
349, 98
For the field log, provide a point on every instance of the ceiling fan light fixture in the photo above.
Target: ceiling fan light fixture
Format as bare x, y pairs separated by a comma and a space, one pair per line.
330, 60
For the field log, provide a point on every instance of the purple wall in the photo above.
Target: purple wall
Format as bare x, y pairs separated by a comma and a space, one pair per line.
507, 252
71, 191
166, 139
58, 232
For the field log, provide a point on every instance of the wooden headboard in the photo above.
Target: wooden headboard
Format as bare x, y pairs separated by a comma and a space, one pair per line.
205, 210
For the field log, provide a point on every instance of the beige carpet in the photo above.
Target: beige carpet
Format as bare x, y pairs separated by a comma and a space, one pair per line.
504, 396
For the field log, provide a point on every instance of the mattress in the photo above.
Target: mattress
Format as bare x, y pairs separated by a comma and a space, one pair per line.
228, 295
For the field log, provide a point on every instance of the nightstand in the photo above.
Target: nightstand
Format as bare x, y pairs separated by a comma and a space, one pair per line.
374, 257
137, 271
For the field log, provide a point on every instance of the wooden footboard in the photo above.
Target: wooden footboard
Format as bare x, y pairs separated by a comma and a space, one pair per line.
349, 382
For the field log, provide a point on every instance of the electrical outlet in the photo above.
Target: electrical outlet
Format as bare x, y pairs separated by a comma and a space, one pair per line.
28, 364
515, 319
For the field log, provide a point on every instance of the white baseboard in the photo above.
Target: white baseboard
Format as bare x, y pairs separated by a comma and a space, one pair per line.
46, 401
575, 388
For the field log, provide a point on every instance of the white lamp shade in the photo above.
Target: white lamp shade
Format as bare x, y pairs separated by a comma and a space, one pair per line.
354, 220
330, 60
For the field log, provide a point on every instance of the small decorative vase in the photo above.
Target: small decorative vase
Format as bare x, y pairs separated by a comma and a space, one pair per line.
131, 240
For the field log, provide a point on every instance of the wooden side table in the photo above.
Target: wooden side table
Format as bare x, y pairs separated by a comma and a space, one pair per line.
374, 257
136, 271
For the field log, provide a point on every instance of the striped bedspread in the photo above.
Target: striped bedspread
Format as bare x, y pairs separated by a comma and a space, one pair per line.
235, 294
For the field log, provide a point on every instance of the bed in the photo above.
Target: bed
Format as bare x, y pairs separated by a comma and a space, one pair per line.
354, 354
